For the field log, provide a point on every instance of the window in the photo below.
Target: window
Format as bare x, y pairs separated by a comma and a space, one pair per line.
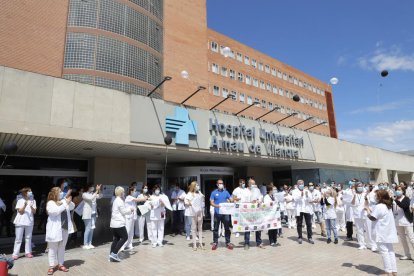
215, 68
232, 74
224, 71
300, 83
270, 105
216, 90
254, 63
214, 46
279, 74
248, 80
284, 76
275, 90
290, 78
274, 72
295, 81
260, 66
282, 110
224, 92
268, 87
264, 104
239, 57
302, 100
262, 85
323, 93
241, 97
232, 55
255, 82
280, 91
257, 101
267, 69
246, 60
240, 76
249, 100
234, 93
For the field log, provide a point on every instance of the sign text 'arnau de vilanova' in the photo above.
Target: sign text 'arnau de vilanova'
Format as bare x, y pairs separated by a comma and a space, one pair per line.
277, 145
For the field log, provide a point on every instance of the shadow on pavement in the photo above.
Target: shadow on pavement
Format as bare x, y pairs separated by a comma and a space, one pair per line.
72, 263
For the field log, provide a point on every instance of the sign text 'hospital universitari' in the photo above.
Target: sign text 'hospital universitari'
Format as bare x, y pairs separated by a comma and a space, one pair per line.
276, 145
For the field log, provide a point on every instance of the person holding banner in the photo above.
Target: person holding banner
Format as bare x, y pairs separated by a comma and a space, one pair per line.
304, 209
89, 212
252, 195
220, 195
194, 199
237, 195
157, 205
270, 197
144, 217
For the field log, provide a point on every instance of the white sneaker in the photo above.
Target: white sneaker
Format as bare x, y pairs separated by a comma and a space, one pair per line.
374, 249
154, 245
362, 247
160, 245
197, 238
91, 246
313, 226
85, 247
237, 235
141, 240
188, 238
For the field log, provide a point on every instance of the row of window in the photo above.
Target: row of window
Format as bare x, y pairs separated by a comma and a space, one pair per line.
243, 98
117, 18
225, 72
87, 51
266, 68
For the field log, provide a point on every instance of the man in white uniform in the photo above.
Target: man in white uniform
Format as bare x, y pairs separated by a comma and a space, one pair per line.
252, 194
238, 193
317, 210
304, 209
177, 198
347, 197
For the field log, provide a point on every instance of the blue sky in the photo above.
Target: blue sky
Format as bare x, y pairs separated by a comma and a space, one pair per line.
352, 40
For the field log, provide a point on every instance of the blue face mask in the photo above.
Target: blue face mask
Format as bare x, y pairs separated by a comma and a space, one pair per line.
381, 187
62, 195
360, 189
65, 187
135, 194
398, 193
301, 187
30, 195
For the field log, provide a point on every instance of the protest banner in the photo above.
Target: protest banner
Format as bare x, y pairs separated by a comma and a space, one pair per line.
256, 217
227, 208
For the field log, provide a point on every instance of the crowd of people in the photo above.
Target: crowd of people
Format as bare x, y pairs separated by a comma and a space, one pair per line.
381, 214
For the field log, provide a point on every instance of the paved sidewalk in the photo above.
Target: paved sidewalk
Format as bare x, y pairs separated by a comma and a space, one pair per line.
178, 258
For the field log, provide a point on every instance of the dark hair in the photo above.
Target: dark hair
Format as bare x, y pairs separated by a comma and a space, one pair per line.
130, 190
219, 179
384, 197
269, 187
142, 189
241, 179
87, 186
132, 184
156, 186
402, 188
24, 191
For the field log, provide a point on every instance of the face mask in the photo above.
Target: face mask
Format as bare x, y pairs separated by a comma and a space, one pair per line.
61, 195
91, 189
157, 192
398, 193
254, 186
220, 186
301, 187
30, 194
311, 188
381, 187
135, 194
339, 188
360, 189
243, 185
145, 191
197, 188
324, 185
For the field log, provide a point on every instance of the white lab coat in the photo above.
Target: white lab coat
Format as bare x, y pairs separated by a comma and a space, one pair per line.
54, 224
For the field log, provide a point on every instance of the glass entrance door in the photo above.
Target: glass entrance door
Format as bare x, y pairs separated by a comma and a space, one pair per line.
208, 185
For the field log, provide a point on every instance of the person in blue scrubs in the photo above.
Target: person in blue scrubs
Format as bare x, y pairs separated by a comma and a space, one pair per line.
220, 195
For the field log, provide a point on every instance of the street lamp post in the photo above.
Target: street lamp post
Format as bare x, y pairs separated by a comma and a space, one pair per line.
292, 114
166, 78
268, 112
310, 118
254, 103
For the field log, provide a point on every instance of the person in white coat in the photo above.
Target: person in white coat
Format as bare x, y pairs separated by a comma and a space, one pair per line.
385, 230
144, 218
304, 210
24, 221
331, 203
58, 227
403, 221
270, 197
131, 203
194, 201
360, 217
290, 210
317, 208
252, 194
237, 195
118, 222
347, 196
340, 210
157, 216
89, 212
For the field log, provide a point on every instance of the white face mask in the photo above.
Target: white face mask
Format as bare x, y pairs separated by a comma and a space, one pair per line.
197, 188
254, 186
91, 189
145, 191
157, 192
220, 186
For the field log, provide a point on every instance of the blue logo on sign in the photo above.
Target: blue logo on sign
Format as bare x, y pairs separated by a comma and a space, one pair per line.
181, 125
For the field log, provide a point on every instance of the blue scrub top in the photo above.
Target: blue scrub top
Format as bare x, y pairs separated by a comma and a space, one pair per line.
219, 196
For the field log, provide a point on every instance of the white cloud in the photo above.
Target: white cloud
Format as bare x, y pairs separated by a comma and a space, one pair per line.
383, 107
341, 60
395, 136
390, 59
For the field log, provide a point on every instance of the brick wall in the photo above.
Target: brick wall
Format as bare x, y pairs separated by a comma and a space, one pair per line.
32, 35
